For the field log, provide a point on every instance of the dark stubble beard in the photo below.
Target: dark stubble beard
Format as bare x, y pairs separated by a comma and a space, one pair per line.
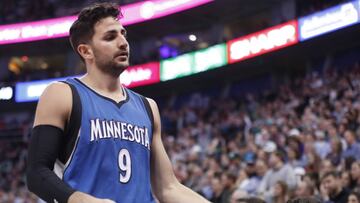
110, 67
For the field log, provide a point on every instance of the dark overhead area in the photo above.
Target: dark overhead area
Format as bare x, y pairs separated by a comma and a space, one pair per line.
202, 17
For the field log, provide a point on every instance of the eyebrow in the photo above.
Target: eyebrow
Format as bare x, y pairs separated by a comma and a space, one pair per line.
115, 31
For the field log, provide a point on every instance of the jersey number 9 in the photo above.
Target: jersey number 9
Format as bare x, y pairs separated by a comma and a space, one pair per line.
124, 161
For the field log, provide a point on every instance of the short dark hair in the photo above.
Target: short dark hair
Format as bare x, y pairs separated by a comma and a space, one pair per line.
82, 30
281, 155
334, 174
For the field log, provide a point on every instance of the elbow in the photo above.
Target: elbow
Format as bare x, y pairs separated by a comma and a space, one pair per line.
164, 194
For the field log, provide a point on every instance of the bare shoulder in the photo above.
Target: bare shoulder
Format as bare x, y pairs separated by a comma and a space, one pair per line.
152, 103
156, 114
54, 105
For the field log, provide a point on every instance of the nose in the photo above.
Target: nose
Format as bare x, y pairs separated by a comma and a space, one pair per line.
123, 43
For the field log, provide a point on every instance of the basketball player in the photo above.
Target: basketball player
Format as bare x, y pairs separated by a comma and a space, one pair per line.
93, 140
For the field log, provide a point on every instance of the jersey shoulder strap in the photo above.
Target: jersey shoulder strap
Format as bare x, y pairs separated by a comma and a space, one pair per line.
72, 126
149, 111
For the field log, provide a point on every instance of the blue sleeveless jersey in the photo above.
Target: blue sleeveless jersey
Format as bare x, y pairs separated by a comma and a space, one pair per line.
111, 156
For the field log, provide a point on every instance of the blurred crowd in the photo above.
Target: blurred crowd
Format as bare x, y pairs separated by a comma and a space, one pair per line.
12, 173
300, 139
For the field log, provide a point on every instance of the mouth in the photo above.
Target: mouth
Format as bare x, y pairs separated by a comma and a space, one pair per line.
123, 54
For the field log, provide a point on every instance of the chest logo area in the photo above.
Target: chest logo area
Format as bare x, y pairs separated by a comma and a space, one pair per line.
105, 129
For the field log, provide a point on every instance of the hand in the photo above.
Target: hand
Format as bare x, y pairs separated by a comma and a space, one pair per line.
80, 197
323, 192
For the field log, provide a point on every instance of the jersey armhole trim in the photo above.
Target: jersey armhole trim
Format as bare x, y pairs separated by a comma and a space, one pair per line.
72, 127
149, 112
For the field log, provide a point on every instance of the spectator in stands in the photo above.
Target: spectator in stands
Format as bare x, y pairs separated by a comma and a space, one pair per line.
311, 158
355, 174
279, 171
280, 192
251, 179
326, 166
354, 197
346, 179
322, 147
353, 147
305, 189
261, 169
294, 157
334, 188
217, 190
228, 180
336, 150
238, 195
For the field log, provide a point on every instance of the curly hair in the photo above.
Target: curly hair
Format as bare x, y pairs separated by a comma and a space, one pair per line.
82, 30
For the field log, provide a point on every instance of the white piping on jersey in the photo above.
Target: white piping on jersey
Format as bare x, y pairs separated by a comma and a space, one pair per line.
59, 167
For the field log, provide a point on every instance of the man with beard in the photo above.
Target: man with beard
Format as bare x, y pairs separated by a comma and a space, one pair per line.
334, 188
93, 140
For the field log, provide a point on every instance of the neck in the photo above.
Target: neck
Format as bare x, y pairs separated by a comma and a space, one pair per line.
102, 81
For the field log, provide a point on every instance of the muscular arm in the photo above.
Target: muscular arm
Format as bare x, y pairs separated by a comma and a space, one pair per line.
52, 113
164, 183
54, 106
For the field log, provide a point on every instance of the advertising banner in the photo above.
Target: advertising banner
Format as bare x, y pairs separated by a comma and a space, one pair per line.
59, 27
139, 75
265, 41
31, 91
210, 58
329, 20
176, 67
